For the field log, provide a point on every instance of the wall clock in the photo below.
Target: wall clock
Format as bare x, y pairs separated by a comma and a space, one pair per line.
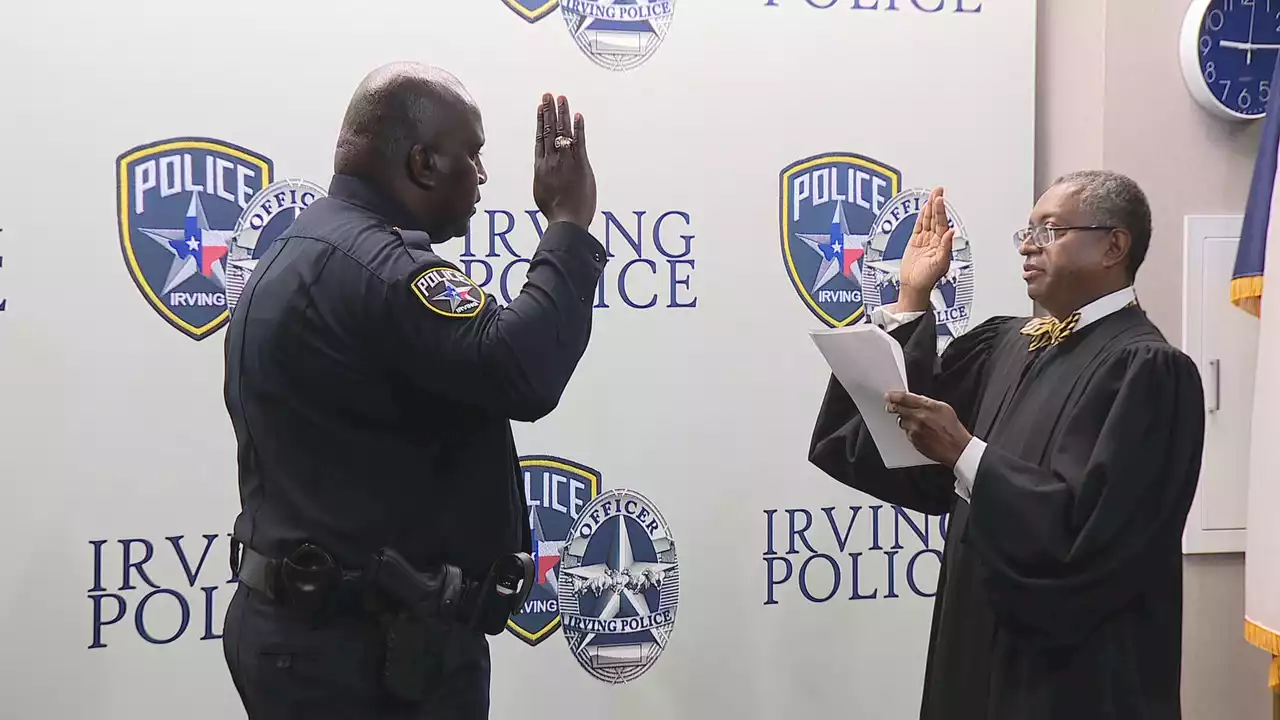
1228, 51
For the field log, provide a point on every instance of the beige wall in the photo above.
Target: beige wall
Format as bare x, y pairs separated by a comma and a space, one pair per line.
1110, 95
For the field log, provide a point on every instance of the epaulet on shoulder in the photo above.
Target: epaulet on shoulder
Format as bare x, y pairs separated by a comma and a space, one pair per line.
411, 237
412, 240
416, 248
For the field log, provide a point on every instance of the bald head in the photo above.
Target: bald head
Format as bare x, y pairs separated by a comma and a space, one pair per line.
415, 134
395, 107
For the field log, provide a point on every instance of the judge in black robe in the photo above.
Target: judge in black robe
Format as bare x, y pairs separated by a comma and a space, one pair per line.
1068, 458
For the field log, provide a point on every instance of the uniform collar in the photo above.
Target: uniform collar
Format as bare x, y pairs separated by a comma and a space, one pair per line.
362, 194
1106, 305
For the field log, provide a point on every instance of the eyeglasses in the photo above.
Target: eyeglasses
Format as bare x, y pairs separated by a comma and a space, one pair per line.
1043, 235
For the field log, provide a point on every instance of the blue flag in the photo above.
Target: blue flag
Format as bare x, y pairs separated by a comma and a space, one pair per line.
1262, 542
1246, 277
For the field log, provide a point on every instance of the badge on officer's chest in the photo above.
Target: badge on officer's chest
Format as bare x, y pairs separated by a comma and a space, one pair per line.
448, 292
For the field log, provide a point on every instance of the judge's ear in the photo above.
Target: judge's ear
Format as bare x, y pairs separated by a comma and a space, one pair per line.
1116, 251
423, 167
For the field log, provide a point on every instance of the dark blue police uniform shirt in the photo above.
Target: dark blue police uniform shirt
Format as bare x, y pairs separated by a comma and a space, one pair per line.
371, 385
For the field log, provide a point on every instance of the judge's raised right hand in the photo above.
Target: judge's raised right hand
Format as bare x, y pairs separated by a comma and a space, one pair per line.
928, 255
564, 185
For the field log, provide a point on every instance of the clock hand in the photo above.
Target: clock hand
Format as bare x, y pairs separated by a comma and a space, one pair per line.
1248, 46
1253, 13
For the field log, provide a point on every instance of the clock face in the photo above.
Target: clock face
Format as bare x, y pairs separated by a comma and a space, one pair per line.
1238, 45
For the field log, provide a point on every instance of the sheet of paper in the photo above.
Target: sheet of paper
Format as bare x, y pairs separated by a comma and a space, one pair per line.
869, 363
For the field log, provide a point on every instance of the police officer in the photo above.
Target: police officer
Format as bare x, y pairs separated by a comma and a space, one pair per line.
371, 386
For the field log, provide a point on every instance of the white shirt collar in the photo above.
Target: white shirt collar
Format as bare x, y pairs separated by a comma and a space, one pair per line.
1106, 305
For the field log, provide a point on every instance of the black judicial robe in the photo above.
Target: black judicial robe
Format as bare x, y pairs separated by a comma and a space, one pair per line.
1060, 595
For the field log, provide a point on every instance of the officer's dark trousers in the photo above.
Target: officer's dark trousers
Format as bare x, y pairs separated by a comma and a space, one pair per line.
284, 669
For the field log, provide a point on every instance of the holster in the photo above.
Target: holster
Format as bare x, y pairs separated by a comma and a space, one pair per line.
436, 594
413, 661
423, 608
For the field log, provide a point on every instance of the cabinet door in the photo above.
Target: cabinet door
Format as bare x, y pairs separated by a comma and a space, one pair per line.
1223, 340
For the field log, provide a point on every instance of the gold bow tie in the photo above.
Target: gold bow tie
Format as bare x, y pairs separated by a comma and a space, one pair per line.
1048, 331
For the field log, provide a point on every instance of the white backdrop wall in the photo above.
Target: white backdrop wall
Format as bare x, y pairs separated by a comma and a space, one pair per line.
795, 595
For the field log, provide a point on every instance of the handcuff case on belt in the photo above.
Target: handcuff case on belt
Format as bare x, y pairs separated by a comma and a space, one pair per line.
309, 577
503, 593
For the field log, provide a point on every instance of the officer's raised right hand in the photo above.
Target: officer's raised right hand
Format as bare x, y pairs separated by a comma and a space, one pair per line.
564, 185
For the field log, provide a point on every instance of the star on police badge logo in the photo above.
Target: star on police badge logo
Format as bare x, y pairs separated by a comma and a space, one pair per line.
268, 215
952, 297
619, 586
557, 491
449, 292
178, 202
829, 203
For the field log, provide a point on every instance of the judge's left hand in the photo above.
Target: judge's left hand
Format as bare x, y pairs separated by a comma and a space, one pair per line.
931, 426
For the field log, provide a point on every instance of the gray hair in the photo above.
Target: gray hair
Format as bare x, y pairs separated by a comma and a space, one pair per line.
1114, 200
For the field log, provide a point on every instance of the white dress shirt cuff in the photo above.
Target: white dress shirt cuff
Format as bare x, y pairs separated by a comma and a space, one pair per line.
887, 320
966, 468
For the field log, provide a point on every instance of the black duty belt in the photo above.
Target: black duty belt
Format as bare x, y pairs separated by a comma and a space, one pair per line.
311, 581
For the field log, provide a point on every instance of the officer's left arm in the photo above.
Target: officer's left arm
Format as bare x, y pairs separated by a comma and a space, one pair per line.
514, 361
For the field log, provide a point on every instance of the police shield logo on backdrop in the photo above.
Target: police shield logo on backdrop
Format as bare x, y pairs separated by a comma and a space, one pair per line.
557, 491
619, 586
829, 203
268, 215
952, 297
178, 203
532, 10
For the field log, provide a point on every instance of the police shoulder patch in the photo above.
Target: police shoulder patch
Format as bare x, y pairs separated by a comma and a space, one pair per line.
448, 292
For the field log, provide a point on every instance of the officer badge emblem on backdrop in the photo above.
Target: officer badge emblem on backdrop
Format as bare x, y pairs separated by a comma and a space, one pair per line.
952, 298
615, 34
829, 204
557, 490
619, 586
267, 216
178, 202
